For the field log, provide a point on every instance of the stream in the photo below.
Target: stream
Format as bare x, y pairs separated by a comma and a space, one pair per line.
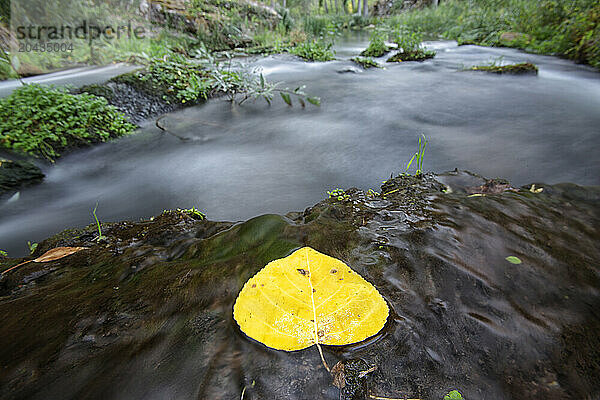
239, 162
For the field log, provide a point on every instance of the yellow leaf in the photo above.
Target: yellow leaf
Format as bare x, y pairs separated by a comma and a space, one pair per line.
309, 298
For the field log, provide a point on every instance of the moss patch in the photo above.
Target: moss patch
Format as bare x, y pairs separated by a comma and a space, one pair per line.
366, 62
516, 69
417, 55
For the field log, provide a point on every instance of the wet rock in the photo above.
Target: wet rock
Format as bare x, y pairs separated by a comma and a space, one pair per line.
461, 317
349, 70
16, 174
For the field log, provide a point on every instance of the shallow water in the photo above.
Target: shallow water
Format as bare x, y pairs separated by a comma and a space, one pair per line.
239, 162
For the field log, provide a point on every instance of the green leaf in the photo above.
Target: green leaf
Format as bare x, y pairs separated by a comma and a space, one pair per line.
314, 100
513, 260
286, 98
453, 395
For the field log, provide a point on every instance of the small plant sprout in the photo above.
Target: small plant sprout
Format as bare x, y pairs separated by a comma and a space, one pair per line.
3, 253
98, 224
419, 156
32, 247
453, 395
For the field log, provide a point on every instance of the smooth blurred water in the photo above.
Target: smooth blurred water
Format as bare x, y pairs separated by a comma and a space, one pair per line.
239, 162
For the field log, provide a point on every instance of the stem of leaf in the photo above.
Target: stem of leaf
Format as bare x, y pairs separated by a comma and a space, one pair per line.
312, 297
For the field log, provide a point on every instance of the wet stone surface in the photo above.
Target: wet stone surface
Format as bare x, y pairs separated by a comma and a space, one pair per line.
15, 174
147, 312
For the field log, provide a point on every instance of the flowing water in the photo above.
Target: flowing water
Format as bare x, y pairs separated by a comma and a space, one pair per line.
238, 162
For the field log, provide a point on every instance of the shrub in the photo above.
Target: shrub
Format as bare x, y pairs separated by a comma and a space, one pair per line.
409, 46
313, 50
377, 46
44, 121
179, 78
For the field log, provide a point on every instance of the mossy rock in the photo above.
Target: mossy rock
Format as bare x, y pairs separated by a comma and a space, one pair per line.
368, 52
418, 55
515, 69
15, 174
366, 62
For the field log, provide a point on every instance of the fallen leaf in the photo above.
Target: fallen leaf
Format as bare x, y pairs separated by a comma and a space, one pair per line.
57, 253
339, 375
513, 260
51, 255
309, 298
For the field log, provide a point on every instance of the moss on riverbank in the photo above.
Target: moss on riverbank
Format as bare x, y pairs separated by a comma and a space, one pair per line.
515, 69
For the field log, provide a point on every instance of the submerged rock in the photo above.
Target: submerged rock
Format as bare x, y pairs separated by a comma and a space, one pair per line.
147, 313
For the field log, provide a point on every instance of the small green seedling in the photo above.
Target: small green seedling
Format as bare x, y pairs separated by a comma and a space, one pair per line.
100, 237
513, 260
453, 395
32, 247
3, 253
419, 156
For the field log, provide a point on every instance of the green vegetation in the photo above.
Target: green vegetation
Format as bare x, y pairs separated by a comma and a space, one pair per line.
179, 78
338, 194
313, 50
3, 253
522, 68
377, 46
43, 121
409, 46
567, 28
31, 246
98, 224
192, 212
513, 260
453, 395
366, 62
419, 156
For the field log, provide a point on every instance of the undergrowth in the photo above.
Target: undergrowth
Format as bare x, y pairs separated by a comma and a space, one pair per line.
43, 121
570, 28
313, 50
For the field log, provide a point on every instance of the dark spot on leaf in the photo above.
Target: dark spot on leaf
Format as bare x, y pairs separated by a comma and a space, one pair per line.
333, 271
314, 291
254, 285
320, 333
302, 271
341, 279
262, 284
